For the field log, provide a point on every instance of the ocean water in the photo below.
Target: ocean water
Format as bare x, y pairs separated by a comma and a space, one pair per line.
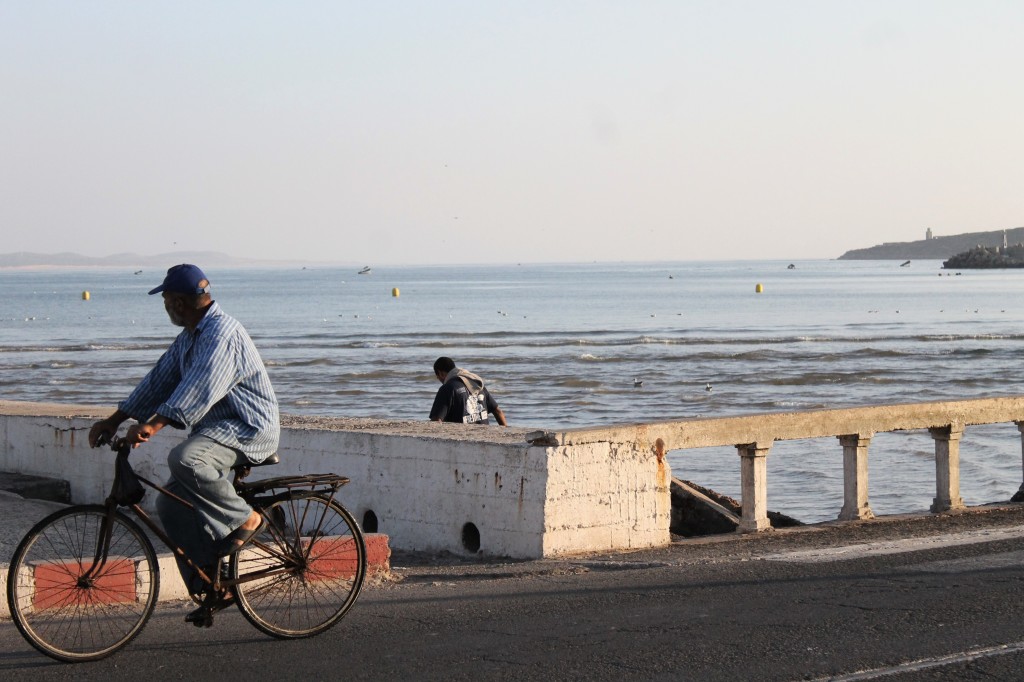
565, 345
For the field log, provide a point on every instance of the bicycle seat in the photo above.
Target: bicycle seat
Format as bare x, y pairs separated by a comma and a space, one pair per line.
272, 459
242, 470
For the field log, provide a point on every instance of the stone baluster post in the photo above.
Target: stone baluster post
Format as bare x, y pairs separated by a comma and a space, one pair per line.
754, 485
947, 468
855, 477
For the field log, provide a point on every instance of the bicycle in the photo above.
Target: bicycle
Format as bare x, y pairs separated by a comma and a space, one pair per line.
83, 581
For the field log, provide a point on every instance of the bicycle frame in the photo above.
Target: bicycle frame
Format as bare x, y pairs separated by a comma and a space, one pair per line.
295, 487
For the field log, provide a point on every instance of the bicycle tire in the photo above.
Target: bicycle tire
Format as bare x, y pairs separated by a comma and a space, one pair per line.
315, 551
67, 616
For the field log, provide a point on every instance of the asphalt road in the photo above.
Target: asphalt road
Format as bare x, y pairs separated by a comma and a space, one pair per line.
786, 607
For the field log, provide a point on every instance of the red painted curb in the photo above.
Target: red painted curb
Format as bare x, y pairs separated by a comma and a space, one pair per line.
378, 554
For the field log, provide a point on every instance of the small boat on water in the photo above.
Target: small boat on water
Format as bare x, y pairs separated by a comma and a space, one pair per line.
365, 271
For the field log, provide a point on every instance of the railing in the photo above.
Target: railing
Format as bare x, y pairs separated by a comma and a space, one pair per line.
754, 435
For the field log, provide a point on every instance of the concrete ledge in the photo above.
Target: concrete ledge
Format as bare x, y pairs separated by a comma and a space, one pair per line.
694, 513
36, 487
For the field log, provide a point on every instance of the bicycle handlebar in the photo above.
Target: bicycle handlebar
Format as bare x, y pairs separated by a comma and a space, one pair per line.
116, 443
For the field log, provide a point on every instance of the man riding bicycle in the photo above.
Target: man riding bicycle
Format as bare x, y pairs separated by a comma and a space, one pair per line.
213, 381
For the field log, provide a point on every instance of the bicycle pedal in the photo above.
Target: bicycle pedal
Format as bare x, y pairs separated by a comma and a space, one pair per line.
201, 617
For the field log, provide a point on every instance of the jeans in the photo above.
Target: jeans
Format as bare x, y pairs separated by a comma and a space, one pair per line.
201, 473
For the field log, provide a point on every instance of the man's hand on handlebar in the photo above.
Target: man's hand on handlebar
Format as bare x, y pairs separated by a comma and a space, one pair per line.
102, 432
105, 430
139, 434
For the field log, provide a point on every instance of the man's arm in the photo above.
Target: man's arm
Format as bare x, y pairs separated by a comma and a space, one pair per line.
492, 407
499, 416
154, 388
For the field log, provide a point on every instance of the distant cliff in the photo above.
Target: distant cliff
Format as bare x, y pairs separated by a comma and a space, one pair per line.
206, 259
937, 248
24, 258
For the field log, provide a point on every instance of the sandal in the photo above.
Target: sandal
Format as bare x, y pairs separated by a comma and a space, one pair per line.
239, 538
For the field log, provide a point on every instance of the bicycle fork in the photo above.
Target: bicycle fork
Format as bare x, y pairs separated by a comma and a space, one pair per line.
99, 561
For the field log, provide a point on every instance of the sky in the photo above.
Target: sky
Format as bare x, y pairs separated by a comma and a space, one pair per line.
500, 132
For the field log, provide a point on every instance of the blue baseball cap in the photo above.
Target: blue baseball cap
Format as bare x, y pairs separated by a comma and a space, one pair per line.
184, 279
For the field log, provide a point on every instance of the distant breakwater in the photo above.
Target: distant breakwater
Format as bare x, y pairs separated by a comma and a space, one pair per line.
988, 257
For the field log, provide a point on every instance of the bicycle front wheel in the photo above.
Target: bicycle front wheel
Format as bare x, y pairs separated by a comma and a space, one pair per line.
304, 572
67, 604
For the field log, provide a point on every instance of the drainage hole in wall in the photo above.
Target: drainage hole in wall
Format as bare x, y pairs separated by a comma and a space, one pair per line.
471, 537
369, 522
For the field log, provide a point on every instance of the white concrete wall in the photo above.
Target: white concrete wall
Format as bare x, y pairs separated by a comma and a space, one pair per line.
423, 481
606, 495
424, 490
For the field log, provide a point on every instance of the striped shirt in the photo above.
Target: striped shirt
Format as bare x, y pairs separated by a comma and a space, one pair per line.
213, 381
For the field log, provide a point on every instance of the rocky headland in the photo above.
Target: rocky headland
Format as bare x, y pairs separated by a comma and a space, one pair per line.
937, 247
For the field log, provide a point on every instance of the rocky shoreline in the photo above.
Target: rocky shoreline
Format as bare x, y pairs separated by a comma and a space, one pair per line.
988, 257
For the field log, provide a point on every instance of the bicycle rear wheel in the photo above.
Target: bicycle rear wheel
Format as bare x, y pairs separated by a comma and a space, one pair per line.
307, 568
65, 607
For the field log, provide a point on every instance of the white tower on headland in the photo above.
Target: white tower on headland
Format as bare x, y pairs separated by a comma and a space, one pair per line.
1004, 240
928, 234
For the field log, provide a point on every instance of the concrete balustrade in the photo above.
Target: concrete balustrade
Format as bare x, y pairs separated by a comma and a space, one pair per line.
521, 493
854, 427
